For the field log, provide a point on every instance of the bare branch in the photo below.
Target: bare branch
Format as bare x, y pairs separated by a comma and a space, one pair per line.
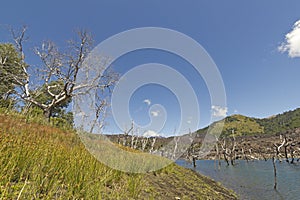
59, 72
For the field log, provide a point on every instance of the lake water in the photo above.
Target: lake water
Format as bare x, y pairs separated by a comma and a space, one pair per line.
255, 179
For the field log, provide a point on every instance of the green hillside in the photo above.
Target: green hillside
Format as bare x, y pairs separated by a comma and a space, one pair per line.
281, 123
243, 125
42, 162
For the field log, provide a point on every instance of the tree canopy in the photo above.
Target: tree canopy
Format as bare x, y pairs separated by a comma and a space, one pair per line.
11, 70
57, 80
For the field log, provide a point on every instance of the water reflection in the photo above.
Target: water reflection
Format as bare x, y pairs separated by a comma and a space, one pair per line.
255, 179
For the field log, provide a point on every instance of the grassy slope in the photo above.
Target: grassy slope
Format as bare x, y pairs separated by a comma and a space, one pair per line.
42, 162
243, 125
281, 123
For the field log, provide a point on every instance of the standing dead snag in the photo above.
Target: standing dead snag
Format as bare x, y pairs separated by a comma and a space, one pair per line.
126, 133
194, 158
278, 147
218, 157
233, 150
59, 73
224, 150
152, 145
144, 143
275, 172
176, 140
292, 153
286, 144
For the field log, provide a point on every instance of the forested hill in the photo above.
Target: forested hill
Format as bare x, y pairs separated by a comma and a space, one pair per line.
243, 125
282, 122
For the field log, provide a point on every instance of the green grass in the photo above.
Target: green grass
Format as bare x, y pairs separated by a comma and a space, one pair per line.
243, 125
38, 161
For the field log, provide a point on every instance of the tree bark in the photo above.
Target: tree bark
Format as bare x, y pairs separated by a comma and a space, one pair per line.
47, 113
275, 172
194, 162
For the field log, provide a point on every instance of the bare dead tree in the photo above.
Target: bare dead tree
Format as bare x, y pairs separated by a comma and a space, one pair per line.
136, 141
126, 133
225, 151
244, 154
233, 150
101, 106
292, 152
278, 147
152, 145
285, 146
176, 140
132, 140
275, 172
144, 143
218, 156
60, 71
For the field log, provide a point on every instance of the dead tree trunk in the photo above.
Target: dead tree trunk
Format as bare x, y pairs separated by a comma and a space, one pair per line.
144, 143
218, 154
152, 145
275, 172
47, 113
233, 151
285, 150
292, 154
126, 134
277, 148
244, 155
224, 149
136, 140
194, 161
286, 154
225, 158
176, 140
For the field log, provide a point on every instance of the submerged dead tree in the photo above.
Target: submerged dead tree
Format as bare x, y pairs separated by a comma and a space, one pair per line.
218, 157
275, 172
225, 151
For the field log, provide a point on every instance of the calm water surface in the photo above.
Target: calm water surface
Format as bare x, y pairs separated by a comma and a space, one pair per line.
255, 179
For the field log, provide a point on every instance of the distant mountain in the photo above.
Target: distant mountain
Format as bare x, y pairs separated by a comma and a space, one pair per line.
281, 123
240, 125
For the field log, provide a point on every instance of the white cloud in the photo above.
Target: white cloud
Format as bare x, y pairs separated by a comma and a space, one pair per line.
292, 42
150, 133
218, 111
155, 113
147, 101
189, 121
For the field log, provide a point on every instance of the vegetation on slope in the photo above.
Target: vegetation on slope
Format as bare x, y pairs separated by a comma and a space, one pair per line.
42, 162
281, 123
240, 125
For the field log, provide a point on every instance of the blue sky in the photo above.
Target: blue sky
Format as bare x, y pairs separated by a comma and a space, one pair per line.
242, 37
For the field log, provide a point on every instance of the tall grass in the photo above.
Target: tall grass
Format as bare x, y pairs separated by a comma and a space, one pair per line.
38, 161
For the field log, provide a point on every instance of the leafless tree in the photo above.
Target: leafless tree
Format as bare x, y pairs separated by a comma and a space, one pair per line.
60, 71
275, 172
144, 143
152, 145
225, 150
136, 141
218, 157
176, 140
126, 133
278, 147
